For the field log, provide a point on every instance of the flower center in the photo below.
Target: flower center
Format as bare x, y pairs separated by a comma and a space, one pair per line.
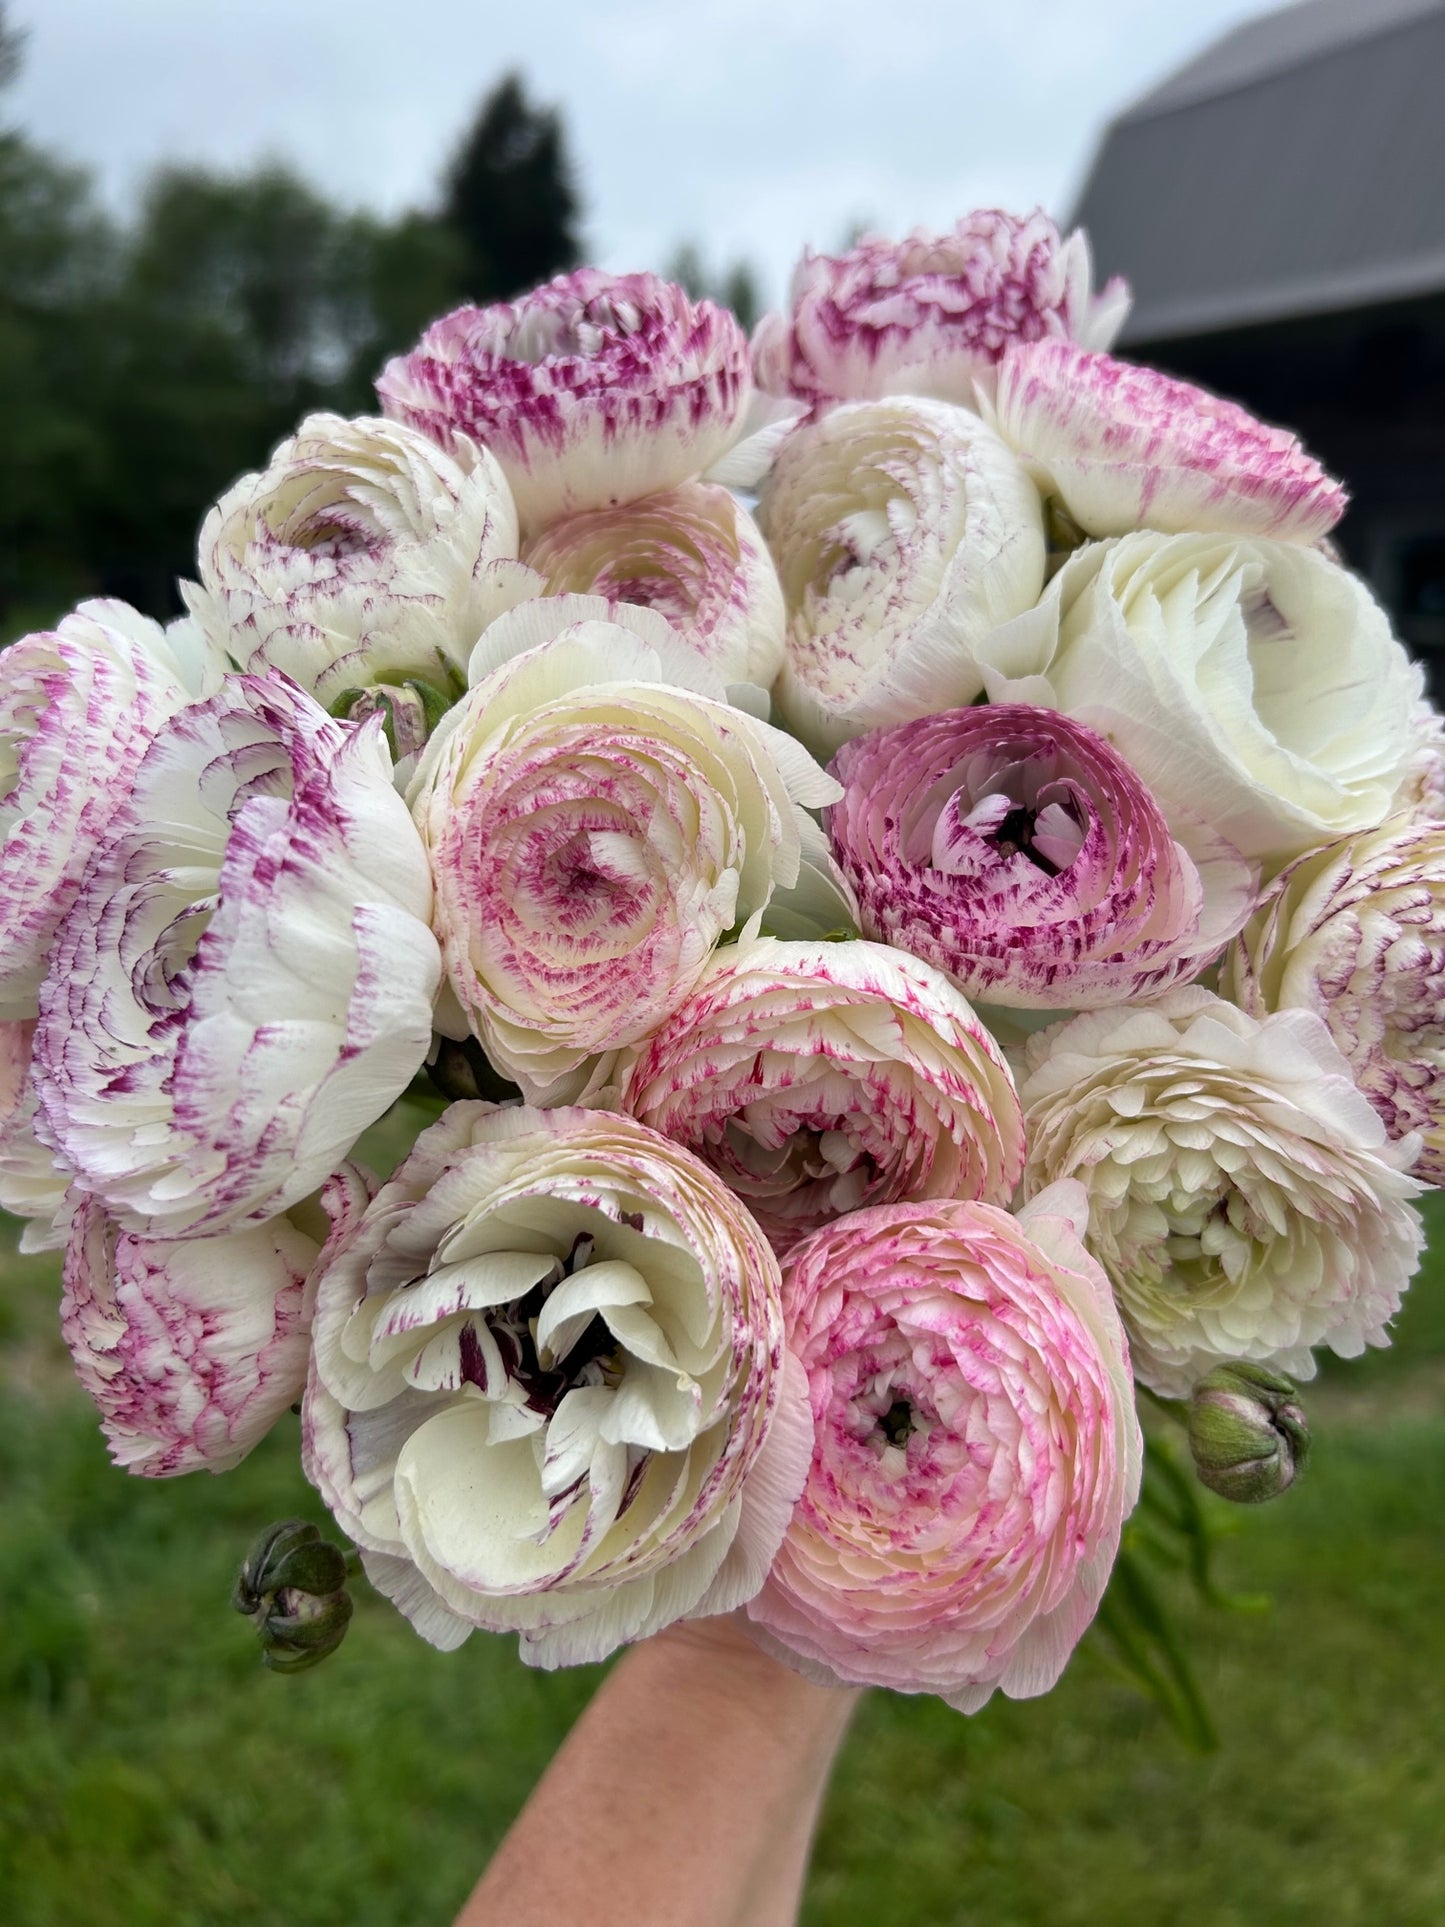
590, 1357
896, 1424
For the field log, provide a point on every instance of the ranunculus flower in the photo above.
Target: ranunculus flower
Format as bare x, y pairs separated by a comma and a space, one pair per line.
976, 1449
592, 390
550, 1393
932, 314
695, 555
1422, 791
362, 554
595, 827
246, 978
903, 532
78, 707
34, 1183
1242, 1196
191, 1348
1129, 448
1253, 684
1014, 849
1355, 932
816, 1078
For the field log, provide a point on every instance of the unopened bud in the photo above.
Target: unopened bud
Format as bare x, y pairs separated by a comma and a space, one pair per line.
410, 711
292, 1588
1247, 1432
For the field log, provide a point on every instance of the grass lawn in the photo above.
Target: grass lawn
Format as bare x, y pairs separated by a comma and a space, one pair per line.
151, 1773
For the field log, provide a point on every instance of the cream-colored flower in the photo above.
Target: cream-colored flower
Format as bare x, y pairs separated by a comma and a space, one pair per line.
550, 1393
362, 554
904, 531
1242, 1195
1355, 932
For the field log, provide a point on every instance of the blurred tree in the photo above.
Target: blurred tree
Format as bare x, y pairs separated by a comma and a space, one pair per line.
509, 197
736, 288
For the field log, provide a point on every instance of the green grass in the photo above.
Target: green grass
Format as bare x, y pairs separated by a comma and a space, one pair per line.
151, 1772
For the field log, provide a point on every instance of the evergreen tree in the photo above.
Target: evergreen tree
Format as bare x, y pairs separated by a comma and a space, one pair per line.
509, 198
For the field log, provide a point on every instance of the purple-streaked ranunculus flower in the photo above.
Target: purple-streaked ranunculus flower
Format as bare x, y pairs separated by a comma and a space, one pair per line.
245, 980
78, 707
362, 555
976, 1449
1355, 932
903, 531
191, 1348
593, 390
693, 554
1014, 849
1253, 684
818, 1078
1243, 1198
1129, 448
34, 1183
596, 825
549, 1392
932, 314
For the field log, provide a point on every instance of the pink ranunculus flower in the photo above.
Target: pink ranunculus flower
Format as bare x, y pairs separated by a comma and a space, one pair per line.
246, 978
1014, 849
976, 1450
593, 390
191, 1348
904, 532
1243, 1198
78, 707
362, 554
933, 313
693, 554
597, 820
1355, 932
34, 1183
1129, 448
550, 1393
816, 1078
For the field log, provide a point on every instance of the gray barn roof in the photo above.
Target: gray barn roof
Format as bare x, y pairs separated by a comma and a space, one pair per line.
1295, 167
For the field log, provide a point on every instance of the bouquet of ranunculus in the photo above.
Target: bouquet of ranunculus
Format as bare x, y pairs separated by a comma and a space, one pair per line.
848, 979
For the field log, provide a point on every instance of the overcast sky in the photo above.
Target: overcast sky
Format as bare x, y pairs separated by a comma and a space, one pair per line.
752, 126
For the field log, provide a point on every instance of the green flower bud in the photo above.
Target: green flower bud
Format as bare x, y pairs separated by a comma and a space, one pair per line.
410, 711
1247, 1432
292, 1588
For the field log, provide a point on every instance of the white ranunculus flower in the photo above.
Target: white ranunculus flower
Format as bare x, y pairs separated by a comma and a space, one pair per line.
78, 706
191, 1348
245, 980
34, 1183
1355, 932
362, 554
904, 531
818, 1078
694, 555
1243, 1198
596, 824
1253, 683
549, 1392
